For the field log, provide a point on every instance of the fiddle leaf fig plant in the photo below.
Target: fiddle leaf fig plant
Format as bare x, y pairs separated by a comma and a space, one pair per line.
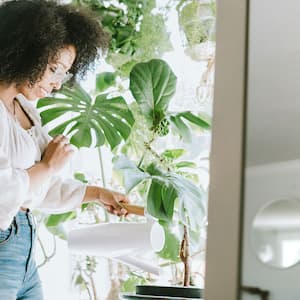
153, 84
170, 195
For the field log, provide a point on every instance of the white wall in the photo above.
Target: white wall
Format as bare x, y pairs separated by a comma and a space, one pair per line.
273, 132
267, 183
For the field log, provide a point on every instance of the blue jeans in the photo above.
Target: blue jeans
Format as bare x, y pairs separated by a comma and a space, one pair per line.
19, 278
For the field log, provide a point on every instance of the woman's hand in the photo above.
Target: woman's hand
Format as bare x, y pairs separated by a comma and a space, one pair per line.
57, 153
111, 200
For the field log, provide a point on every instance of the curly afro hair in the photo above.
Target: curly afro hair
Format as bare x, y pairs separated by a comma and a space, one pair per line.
33, 31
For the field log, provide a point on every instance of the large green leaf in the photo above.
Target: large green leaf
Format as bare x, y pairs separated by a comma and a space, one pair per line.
109, 118
182, 128
171, 247
192, 203
160, 201
173, 153
181, 122
54, 220
153, 84
164, 189
132, 174
202, 121
58, 231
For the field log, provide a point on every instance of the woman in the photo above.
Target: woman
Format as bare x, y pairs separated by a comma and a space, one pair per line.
41, 44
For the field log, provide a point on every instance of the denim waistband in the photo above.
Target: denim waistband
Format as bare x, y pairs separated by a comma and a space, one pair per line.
24, 217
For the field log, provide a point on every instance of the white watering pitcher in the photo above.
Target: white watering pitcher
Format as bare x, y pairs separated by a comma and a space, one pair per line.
121, 241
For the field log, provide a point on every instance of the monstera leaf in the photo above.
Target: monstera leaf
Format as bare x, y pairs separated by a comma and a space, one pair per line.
153, 84
109, 118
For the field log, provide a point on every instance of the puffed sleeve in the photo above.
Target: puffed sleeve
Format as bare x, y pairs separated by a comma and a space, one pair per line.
63, 195
58, 194
14, 183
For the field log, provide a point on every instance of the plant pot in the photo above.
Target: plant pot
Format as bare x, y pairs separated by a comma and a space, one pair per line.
148, 292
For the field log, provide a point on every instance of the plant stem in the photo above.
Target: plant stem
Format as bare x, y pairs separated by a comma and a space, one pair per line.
93, 286
46, 257
101, 167
103, 178
141, 160
185, 256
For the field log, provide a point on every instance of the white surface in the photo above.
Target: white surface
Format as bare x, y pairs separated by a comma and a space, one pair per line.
267, 183
273, 134
121, 241
273, 85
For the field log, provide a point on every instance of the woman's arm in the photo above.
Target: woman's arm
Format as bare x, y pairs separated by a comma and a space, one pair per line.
111, 200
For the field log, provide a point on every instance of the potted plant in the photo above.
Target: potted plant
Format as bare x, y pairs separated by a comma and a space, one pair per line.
170, 196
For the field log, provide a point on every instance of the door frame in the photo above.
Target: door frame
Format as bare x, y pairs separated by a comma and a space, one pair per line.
225, 205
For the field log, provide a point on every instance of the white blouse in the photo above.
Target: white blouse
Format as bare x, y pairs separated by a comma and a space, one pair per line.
20, 149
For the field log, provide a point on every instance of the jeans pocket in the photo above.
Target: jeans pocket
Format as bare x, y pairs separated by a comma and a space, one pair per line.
5, 235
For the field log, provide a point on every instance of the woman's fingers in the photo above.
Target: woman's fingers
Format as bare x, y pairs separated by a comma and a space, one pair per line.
68, 148
61, 139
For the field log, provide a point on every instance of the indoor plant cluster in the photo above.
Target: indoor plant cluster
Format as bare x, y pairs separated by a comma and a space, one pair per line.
138, 129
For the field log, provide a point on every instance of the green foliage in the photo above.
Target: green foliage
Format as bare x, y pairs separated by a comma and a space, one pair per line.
152, 40
163, 128
136, 34
185, 164
197, 20
173, 153
191, 206
153, 84
109, 118
181, 122
58, 231
130, 284
165, 188
105, 80
171, 247
160, 201
80, 177
132, 174
54, 220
